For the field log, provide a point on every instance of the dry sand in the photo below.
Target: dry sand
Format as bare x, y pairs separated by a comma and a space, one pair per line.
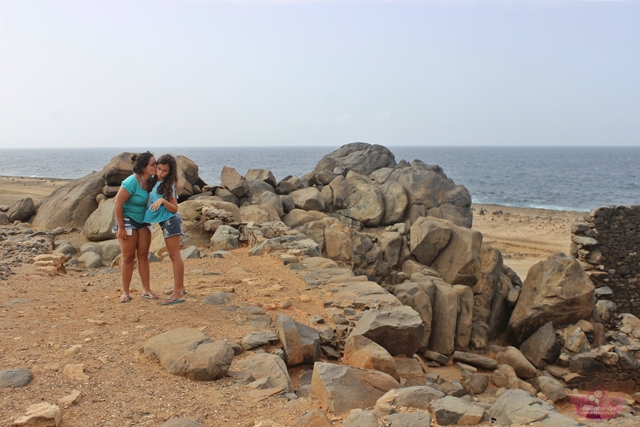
43, 317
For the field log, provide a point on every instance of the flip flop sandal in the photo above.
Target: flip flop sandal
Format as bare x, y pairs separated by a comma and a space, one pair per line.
149, 296
170, 301
170, 291
125, 298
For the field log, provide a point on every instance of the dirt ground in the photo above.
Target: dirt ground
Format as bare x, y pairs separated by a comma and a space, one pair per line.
49, 322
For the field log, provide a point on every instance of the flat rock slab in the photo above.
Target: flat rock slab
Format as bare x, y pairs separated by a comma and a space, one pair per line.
258, 340
360, 419
15, 378
190, 353
40, 415
343, 388
361, 352
519, 407
313, 418
417, 397
366, 294
475, 360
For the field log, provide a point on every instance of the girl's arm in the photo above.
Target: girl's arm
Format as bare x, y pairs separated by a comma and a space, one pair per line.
171, 205
121, 197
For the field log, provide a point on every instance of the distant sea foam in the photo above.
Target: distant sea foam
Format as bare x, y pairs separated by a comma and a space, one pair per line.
560, 178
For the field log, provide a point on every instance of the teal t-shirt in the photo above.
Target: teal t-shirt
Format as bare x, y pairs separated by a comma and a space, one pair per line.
162, 214
136, 205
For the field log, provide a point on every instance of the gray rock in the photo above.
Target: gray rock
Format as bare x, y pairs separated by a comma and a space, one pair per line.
67, 250
450, 410
190, 253
413, 419
475, 383
606, 310
22, 210
361, 352
343, 388
520, 407
250, 213
233, 181
443, 324
417, 397
100, 223
410, 370
398, 329
91, 260
475, 360
301, 343
436, 357
268, 365
413, 295
360, 419
575, 339
313, 418
465, 316
395, 202
258, 340
69, 206
190, 353
308, 199
459, 262
428, 238
513, 357
15, 378
262, 175
541, 348
218, 298
359, 157
557, 290
225, 238
550, 387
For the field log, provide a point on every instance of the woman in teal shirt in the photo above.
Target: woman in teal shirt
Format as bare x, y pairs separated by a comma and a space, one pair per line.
132, 232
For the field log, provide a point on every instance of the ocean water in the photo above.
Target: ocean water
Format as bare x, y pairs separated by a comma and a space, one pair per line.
560, 178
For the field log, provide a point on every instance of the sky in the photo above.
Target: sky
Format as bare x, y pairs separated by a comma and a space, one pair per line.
157, 73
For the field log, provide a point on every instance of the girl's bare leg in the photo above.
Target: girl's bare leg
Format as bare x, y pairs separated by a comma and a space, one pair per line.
173, 246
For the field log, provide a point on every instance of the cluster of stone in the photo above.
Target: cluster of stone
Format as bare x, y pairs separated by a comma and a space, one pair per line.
608, 245
20, 244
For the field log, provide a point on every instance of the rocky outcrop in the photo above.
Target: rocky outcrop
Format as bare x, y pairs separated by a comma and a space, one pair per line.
358, 157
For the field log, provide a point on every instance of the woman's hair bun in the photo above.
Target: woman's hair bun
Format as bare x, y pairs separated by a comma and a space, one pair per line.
133, 158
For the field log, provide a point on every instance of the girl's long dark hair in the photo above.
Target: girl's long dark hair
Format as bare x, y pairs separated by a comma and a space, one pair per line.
166, 188
140, 161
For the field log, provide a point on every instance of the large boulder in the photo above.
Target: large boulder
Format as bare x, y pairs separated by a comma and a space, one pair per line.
398, 329
308, 199
359, 157
259, 213
520, 407
443, 323
428, 238
100, 223
513, 357
262, 175
70, 205
225, 238
395, 202
417, 397
450, 410
187, 177
429, 187
265, 365
190, 353
413, 295
459, 262
118, 169
361, 352
301, 343
22, 210
343, 388
542, 348
271, 199
356, 198
556, 290
338, 244
233, 181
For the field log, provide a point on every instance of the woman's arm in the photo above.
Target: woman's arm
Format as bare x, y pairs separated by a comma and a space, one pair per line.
121, 198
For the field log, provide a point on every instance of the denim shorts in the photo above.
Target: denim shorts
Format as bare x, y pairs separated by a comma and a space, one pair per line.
172, 226
130, 225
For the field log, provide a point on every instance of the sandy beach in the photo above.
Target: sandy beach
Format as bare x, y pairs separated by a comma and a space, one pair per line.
52, 322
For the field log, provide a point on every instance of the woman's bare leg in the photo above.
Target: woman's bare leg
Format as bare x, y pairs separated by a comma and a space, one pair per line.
144, 242
128, 250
